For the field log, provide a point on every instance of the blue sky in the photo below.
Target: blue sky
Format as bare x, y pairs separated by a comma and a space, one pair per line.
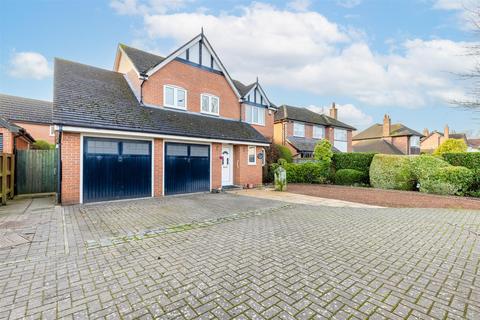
369, 56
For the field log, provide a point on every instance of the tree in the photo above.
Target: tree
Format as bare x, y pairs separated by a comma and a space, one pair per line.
323, 151
451, 146
42, 145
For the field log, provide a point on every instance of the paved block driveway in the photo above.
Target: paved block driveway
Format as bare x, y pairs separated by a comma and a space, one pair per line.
225, 256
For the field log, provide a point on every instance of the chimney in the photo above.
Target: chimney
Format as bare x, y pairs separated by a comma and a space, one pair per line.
446, 132
333, 111
387, 123
426, 132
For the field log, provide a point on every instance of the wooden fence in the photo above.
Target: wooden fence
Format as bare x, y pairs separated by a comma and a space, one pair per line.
36, 171
7, 174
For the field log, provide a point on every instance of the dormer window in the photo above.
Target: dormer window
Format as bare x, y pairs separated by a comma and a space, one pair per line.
255, 114
174, 97
298, 129
210, 104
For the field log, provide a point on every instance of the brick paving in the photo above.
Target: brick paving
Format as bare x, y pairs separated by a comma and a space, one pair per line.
288, 261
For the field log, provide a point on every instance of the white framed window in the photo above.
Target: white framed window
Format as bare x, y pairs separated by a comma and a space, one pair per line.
415, 142
340, 139
174, 97
318, 132
255, 114
209, 103
52, 131
298, 129
252, 157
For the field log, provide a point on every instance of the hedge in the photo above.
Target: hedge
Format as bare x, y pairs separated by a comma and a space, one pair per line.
391, 172
350, 177
307, 172
470, 160
358, 161
451, 180
425, 165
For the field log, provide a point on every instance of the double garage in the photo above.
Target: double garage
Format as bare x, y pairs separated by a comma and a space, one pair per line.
115, 169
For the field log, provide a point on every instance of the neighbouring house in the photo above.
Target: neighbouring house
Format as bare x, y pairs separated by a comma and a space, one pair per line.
388, 138
432, 140
158, 125
300, 129
13, 137
474, 145
33, 116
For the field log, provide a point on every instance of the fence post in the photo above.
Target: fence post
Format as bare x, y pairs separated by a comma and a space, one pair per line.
4, 179
12, 176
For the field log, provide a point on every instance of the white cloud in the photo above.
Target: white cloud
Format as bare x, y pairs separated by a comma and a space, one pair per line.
31, 65
348, 3
317, 55
466, 11
299, 5
347, 113
133, 7
448, 4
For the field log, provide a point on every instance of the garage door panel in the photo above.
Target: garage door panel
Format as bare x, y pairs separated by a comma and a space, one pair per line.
116, 169
187, 168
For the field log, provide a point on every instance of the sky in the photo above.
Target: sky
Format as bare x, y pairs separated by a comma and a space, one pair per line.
371, 57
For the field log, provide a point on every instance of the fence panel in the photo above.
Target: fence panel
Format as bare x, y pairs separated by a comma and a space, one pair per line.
7, 174
36, 171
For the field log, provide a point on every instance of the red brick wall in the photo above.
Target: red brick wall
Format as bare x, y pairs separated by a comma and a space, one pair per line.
38, 131
7, 140
157, 167
70, 168
216, 166
243, 172
401, 143
196, 81
267, 129
22, 144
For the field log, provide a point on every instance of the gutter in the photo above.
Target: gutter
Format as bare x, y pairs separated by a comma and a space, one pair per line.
59, 165
142, 77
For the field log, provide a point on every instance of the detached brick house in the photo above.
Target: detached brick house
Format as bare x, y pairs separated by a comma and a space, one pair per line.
388, 138
22, 121
432, 140
300, 129
157, 125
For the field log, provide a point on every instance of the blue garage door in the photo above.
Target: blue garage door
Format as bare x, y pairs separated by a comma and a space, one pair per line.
187, 168
116, 169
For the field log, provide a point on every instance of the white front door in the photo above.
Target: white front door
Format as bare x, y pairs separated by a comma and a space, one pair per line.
227, 165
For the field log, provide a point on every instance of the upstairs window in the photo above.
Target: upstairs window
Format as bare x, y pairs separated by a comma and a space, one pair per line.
210, 103
318, 132
174, 97
340, 139
255, 114
298, 129
414, 145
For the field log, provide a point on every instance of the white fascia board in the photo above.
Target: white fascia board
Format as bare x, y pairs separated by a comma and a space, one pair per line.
153, 135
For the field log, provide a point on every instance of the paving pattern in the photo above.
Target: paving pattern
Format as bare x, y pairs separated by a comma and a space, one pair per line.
290, 261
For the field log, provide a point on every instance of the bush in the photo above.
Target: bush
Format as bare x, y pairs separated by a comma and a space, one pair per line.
358, 161
323, 151
470, 160
350, 177
307, 172
450, 180
284, 153
42, 145
451, 145
391, 172
424, 165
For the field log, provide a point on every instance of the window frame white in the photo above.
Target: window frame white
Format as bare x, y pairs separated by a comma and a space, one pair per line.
417, 138
315, 129
175, 96
210, 97
295, 124
51, 131
335, 130
257, 109
254, 148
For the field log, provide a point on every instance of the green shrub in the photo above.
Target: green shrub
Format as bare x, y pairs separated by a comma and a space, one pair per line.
42, 145
451, 145
450, 180
425, 165
307, 172
470, 160
284, 153
323, 151
350, 177
358, 161
391, 172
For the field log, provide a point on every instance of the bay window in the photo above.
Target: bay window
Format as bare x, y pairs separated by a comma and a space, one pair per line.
340, 139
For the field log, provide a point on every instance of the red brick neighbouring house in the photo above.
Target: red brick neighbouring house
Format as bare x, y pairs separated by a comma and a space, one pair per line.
13, 137
158, 125
32, 115
432, 140
300, 129
387, 138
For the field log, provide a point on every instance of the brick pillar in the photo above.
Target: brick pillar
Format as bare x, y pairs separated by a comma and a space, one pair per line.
157, 167
70, 168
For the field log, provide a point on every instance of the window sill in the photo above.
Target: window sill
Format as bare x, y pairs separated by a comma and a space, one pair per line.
210, 113
175, 107
252, 164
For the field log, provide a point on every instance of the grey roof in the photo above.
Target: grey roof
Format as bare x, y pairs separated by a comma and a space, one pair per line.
376, 145
451, 135
243, 89
305, 144
376, 131
305, 115
142, 60
90, 97
24, 109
